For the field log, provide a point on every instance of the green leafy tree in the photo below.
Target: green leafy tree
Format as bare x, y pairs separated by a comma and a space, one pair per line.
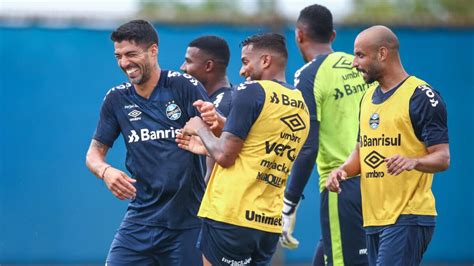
413, 12
188, 11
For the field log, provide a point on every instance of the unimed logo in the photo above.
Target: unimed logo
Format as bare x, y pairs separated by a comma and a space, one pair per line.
262, 218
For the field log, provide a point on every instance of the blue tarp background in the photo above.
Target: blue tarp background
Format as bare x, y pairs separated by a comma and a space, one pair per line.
53, 80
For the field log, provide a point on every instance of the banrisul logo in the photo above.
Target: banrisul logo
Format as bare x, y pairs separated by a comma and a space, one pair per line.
133, 137
286, 100
145, 134
173, 112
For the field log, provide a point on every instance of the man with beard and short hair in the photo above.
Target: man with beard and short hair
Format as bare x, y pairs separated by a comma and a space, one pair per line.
166, 183
403, 142
242, 206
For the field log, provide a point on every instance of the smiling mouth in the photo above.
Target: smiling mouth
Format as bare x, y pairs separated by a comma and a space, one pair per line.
132, 71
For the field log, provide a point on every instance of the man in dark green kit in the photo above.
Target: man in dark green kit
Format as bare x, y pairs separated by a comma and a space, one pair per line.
332, 90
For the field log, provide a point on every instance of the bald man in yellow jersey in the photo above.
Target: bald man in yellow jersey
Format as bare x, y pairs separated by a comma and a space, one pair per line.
403, 142
264, 132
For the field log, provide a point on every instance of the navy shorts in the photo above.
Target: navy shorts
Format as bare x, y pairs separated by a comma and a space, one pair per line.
341, 225
136, 244
399, 244
226, 244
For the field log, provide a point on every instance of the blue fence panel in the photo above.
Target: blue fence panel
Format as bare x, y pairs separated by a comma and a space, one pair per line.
52, 82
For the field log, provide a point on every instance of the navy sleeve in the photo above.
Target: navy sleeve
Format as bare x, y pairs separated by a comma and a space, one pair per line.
191, 90
223, 102
304, 163
304, 81
108, 127
429, 117
247, 103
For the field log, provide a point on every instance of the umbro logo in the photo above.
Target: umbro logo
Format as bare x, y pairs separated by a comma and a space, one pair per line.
343, 62
294, 122
374, 159
135, 115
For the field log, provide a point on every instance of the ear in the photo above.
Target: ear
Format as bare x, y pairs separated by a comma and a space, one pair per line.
154, 49
266, 61
209, 66
383, 53
299, 36
332, 37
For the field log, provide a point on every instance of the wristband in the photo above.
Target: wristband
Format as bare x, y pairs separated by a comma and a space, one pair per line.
105, 169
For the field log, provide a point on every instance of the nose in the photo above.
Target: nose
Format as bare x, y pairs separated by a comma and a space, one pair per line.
242, 71
124, 62
183, 67
355, 63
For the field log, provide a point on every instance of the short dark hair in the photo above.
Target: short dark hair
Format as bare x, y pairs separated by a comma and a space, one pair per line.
141, 32
214, 46
271, 41
318, 22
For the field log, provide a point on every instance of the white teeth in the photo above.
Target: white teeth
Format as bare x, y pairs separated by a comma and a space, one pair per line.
131, 70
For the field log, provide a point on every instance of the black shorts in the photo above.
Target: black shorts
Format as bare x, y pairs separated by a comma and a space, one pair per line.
136, 244
399, 244
226, 244
341, 225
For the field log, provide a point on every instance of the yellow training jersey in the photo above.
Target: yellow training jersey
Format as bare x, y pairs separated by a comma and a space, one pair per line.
250, 193
386, 130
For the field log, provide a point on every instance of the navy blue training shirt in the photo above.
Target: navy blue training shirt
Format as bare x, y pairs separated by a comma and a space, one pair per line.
170, 181
222, 99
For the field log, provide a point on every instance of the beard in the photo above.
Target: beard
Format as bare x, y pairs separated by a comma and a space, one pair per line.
143, 77
368, 78
255, 75
370, 75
